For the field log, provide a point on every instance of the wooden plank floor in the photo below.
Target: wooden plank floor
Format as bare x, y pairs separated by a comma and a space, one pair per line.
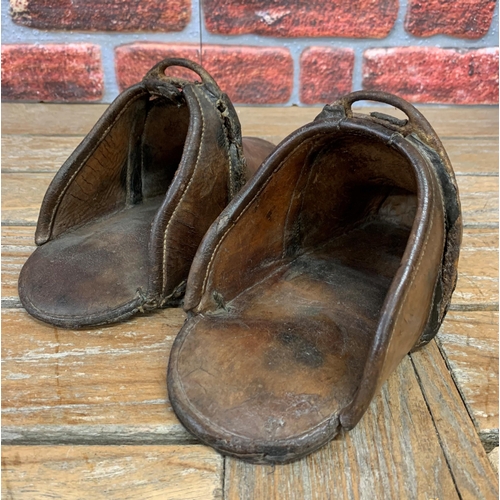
85, 412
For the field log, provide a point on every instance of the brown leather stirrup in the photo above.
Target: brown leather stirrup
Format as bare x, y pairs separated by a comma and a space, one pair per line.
122, 219
337, 259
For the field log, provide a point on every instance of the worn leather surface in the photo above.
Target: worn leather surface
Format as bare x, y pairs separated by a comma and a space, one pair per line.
123, 217
335, 260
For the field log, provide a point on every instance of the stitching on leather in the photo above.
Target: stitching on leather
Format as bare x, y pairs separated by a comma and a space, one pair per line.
203, 287
228, 143
164, 270
70, 180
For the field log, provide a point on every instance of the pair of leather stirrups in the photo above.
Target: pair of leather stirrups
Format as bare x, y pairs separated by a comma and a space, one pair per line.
308, 270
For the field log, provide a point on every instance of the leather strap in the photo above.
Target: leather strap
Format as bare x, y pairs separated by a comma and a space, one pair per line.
168, 86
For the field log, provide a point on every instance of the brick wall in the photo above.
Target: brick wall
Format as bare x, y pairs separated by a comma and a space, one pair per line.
277, 52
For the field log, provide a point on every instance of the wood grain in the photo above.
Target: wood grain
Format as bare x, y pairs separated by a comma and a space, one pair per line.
50, 119
34, 153
22, 195
396, 451
469, 341
106, 386
466, 457
493, 456
393, 453
18, 242
477, 286
111, 472
21, 153
78, 119
88, 386
473, 155
479, 199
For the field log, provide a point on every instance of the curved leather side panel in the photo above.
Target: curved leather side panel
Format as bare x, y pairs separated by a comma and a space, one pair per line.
410, 297
228, 272
90, 181
191, 203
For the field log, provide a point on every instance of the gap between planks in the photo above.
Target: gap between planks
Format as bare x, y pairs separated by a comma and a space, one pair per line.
397, 433
109, 383
468, 343
402, 448
399, 427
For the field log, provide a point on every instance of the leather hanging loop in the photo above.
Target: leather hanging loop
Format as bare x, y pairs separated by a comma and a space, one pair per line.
157, 72
415, 123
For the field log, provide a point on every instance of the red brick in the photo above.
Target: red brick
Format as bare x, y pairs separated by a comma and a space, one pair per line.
461, 18
250, 75
302, 18
52, 72
325, 74
103, 15
429, 74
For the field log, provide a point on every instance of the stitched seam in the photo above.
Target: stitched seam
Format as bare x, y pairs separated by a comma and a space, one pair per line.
164, 273
70, 180
228, 143
246, 208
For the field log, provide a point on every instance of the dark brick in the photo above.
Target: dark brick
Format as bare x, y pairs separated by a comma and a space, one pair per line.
325, 74
460, 18
302, 18
429, 74
102, 15
250, 75
52, 72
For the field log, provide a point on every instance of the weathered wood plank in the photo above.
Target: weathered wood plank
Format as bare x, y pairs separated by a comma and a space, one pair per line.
466, 457
50, 119
18, 242
92, 386
22, 195
493, 456
393, 453
78, 119
111, 472
479, 199
473, 156
469, 341
477, 286
28, 153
